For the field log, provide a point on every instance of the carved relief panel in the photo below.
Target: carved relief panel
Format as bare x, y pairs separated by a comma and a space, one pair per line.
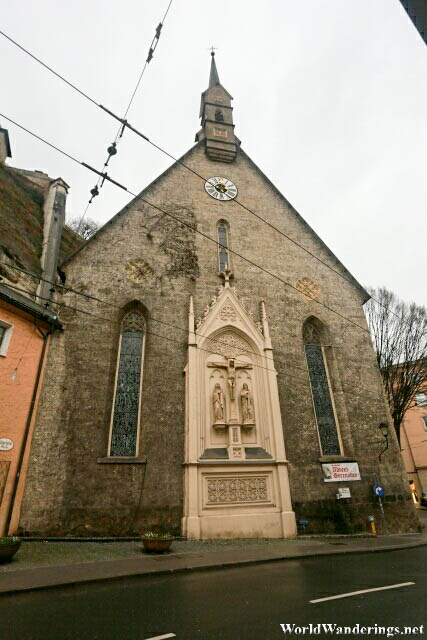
228, 489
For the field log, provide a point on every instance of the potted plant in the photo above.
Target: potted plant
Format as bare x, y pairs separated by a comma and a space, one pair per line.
9, 545
156, 540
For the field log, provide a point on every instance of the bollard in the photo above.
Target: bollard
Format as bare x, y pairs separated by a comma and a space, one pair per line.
372, 523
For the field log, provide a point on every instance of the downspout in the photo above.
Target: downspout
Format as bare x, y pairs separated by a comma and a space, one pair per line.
27, 428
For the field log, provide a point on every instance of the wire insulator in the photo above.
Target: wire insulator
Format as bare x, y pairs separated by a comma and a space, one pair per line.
158, 29
150, 54
112, 150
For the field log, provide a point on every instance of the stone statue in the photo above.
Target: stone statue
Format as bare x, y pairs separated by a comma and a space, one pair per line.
247, 405
232, 383
218, 404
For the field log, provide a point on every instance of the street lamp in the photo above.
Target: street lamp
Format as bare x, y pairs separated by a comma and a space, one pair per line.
384, 430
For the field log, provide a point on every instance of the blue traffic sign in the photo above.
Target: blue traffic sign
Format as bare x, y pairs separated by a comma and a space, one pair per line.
378, 490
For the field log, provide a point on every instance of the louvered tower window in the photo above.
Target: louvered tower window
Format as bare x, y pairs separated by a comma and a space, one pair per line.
126, 406
320, 388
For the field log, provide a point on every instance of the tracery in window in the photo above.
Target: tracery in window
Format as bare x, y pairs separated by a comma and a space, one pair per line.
124, 429
322, 399
223, 248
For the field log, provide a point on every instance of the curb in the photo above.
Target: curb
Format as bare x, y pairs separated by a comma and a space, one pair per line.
63, 582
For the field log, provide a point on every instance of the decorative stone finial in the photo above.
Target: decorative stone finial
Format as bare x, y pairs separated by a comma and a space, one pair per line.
226, 274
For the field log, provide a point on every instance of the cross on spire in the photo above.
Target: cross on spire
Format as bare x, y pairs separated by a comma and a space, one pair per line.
213, 76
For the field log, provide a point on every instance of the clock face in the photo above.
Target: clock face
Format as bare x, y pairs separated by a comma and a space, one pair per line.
221, 188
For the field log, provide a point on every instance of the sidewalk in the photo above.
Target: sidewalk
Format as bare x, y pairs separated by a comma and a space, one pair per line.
47, 564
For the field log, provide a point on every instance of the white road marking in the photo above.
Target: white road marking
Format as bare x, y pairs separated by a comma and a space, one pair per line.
356, 593
166, 635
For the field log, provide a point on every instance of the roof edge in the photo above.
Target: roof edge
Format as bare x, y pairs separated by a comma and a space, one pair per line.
130, 203
29, 306
352, 279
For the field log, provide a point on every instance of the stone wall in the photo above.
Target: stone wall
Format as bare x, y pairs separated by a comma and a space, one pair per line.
144, 256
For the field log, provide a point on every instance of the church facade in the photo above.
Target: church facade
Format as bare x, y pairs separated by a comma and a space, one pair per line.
212, 376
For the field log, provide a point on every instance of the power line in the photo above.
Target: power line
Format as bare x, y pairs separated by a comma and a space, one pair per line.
129, 126
66, 290
168, 324
46, 66
187, 225
112, 149
126, 124
185, 344
168, 338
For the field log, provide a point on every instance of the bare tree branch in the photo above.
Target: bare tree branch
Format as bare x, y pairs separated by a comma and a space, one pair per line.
399, 336
84, 227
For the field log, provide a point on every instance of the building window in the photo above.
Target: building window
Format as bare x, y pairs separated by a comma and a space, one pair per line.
320, 388
126, 406
223, 246
5, 335
425, 422
421, 399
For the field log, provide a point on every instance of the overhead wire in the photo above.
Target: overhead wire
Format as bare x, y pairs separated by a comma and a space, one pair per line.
186, 224
66, 289
168, 338
112, 149
191, 227
185, 344
125, 123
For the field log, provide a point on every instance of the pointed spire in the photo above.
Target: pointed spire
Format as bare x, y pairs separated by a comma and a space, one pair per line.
216, 113
213, 76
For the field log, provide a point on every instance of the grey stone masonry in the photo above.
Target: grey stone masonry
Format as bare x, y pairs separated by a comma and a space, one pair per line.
142, 259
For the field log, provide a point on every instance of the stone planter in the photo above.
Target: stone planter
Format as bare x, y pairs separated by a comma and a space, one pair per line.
156, 545
8, 547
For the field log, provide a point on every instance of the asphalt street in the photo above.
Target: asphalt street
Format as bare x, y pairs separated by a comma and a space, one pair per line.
249, 603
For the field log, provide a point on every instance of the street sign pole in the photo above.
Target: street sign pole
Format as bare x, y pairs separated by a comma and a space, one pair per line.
379, 491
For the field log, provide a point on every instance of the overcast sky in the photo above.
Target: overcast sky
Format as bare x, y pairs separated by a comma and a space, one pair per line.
330, 100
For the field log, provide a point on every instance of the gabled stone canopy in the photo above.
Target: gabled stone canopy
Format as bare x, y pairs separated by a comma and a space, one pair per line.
235, 455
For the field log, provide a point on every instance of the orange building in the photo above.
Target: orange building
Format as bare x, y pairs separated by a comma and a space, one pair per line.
25, 329
32, 239
413, 442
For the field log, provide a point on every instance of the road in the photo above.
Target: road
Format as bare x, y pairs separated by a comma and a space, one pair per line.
247, 603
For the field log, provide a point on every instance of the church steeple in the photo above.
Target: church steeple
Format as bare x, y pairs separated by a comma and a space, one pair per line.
213, 76
216, 114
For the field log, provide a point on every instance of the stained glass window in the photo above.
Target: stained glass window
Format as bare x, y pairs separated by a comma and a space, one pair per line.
224, 260
127, 396
322, 400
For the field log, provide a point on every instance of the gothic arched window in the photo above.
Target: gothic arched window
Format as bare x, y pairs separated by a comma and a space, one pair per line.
313, 333
126, 405
223, 246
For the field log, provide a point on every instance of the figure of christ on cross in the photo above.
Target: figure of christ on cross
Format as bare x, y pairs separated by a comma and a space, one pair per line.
231, 367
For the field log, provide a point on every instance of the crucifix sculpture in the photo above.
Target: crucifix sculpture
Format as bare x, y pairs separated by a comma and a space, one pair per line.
231, 365
236, 449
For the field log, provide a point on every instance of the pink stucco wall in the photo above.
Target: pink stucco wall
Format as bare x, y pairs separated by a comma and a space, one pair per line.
18, 371
414, 445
